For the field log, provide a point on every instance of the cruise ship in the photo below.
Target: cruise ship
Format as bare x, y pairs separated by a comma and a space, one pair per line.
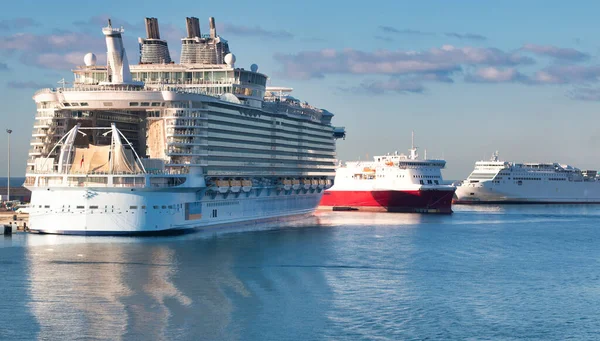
497, 182
390, 183
161, 147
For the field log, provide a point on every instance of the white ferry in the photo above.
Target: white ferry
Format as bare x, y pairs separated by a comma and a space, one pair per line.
496, 181
392, 183
161, 147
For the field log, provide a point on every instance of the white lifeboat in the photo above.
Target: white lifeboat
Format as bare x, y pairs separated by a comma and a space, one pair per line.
236, 185
321, 183
296, 184
286, 184
306, 183
314, 183
223, 186
246, 185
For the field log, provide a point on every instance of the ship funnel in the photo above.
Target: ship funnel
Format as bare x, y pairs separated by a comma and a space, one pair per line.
153, 50
152, 31
193, 27
118, 66
213, 28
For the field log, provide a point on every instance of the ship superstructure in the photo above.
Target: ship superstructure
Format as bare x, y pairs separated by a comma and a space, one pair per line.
167, 147
496, 181
392, 182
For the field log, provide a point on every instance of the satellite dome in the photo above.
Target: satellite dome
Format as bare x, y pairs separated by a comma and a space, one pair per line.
253, 67
89, 59
230, 59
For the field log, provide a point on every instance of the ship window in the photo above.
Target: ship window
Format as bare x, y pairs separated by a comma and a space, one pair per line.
155, 207
93, 207
145, 104
107, 104
133, 207
133, 104
74, 104
170, 206
155, 104
80, 207
83, 104
143, 207
436, 182
66, 104
47, 206
163, 207
421, 182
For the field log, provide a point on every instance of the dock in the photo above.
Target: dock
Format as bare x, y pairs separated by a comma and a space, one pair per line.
10, 217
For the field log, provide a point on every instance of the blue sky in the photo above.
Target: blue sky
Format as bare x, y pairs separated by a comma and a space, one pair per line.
469, 77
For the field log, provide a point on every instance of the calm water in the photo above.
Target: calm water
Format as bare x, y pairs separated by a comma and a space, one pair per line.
512, 273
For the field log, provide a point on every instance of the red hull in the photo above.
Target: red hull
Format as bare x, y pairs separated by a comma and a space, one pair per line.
426, 201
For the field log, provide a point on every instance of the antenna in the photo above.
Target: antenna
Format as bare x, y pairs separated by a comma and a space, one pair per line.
63, 82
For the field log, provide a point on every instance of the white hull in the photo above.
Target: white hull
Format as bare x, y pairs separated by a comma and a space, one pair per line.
528, 192
102, 211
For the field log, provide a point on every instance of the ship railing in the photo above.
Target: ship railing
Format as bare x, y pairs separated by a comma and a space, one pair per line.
94, 173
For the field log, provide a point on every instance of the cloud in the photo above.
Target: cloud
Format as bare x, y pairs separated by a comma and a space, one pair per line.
399, 84
466, 36
411, 32
393, 85
584, 94
568, 54
63, 41
17, 23
393, 30
4, 67
447, 59
99, 21
60, 50
496, 75
567, 74
27, 85
255, 31
386, 39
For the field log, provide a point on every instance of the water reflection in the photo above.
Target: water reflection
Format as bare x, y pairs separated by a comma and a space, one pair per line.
204, 285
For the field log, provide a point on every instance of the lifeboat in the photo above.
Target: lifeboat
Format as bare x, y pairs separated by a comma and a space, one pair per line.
368, 170
306, 183
286, 184
328, 183
223, 186
236, 185
246, 185
389, 163
322, 183
295, 184
314, 183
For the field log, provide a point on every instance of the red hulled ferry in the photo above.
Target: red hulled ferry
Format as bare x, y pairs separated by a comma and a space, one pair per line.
392, 183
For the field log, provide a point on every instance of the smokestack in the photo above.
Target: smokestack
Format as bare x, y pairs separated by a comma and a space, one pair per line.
192, 25
213, 29
117, 59
152, 31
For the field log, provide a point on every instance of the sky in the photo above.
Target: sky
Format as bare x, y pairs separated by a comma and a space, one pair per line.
468, 77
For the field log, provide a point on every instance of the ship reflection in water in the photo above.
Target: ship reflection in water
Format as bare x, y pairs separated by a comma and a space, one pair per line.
482, 273
179, 287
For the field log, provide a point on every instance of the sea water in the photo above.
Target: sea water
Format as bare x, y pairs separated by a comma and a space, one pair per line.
483, 273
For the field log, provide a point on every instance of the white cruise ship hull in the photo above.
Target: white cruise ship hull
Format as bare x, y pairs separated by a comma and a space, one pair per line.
569, 192
123, 211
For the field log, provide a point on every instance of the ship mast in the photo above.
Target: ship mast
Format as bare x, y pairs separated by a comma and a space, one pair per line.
413, 149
